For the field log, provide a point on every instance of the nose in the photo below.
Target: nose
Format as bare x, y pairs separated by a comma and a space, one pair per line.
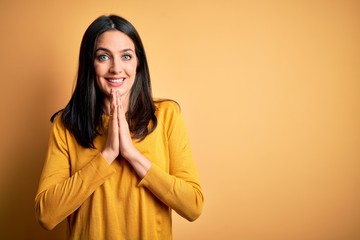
116, 66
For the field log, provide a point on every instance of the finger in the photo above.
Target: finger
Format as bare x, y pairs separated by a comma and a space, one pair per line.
120, 106
117, 99
117, 103
113, 103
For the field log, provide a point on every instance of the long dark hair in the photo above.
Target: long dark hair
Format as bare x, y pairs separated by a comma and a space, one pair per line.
82, 116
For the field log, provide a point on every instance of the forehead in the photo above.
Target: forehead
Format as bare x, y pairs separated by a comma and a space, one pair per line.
114, 40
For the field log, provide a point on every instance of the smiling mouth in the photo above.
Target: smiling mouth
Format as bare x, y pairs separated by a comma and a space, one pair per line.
115, 80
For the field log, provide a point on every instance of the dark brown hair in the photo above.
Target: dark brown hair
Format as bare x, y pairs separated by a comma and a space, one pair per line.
82, 116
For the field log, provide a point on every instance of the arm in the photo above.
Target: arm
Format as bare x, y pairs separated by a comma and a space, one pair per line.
180, 188
59, 193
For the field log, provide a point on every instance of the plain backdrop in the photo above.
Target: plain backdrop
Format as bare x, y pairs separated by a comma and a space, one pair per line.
270, 92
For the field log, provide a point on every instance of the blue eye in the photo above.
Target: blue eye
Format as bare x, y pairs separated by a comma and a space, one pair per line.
126, 57
103, 57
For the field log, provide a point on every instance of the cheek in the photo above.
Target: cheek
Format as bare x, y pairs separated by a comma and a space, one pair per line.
101, 68
98, 69
98, 73
134, 71
133, 67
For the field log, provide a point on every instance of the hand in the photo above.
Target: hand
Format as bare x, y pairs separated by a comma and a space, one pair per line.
127, 148
119, 141
111, 149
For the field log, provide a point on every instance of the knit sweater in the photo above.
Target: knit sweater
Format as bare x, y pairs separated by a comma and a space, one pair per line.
109, 201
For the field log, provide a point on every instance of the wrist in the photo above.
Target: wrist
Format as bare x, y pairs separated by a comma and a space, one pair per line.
139, 162
130, 154
108, 155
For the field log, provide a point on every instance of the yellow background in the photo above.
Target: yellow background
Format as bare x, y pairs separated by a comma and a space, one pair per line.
270, 91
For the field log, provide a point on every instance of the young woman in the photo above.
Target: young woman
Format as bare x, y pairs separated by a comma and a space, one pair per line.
118, 162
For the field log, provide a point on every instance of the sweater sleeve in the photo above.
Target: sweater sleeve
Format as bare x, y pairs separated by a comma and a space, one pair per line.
60, 193
180, 188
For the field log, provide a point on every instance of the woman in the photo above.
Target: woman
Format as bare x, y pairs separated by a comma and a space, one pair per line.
118, 162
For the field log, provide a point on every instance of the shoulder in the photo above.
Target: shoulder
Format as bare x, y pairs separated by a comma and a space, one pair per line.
166, 107
57, 122
167, 104
56, 117
169, 116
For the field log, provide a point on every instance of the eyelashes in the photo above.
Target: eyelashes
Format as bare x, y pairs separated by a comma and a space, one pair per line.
102, 57
126, 57
105, 57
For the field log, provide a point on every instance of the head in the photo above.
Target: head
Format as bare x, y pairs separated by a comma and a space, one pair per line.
87, 77
83, 114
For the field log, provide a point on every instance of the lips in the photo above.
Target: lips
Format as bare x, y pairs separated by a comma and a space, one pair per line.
115, 82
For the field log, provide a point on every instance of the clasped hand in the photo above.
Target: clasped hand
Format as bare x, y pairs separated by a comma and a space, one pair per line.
118, 140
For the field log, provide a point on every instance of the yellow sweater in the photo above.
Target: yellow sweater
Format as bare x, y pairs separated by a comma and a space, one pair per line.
102, 201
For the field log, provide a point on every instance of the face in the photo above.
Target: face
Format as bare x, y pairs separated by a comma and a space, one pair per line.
115, 63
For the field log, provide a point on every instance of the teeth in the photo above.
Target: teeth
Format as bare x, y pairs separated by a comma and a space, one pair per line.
116, 80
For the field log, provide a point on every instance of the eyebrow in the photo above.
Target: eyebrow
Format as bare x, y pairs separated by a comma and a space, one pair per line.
107, 50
